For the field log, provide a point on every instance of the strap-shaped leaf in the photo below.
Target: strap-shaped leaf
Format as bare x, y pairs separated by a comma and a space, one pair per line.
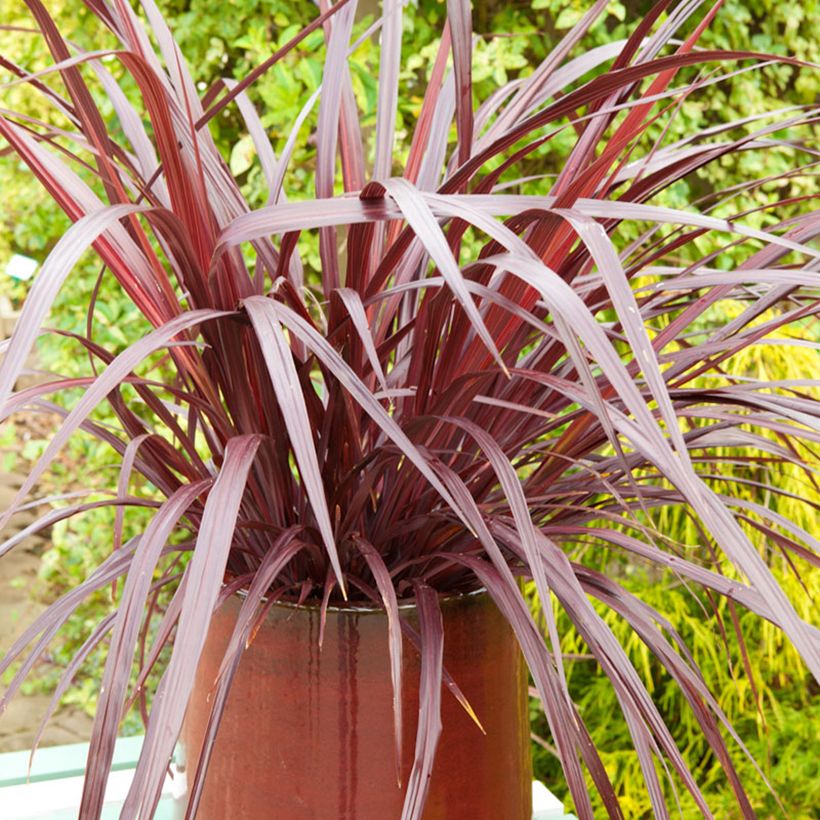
285, 379
431, 627
204, 577
123, 642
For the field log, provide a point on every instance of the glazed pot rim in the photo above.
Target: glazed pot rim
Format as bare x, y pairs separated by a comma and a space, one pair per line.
366, 609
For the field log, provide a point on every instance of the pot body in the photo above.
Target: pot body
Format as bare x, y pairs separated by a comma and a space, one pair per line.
308, 734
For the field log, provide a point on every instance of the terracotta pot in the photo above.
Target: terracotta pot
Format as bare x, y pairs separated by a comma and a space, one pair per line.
310, 735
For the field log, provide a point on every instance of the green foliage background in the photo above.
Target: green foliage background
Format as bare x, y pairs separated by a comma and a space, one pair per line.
776, 713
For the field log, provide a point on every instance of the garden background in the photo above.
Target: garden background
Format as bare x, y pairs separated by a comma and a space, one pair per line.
772, 701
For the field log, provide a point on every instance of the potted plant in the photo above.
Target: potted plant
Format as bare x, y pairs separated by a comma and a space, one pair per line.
356, 451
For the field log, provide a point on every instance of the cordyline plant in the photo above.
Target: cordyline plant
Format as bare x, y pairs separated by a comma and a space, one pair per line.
473, 383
